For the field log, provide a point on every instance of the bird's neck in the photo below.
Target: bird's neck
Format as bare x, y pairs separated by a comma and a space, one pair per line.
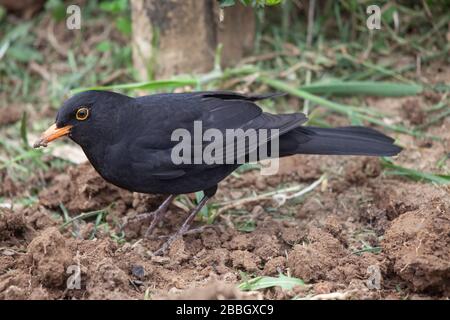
95, 156
94, 151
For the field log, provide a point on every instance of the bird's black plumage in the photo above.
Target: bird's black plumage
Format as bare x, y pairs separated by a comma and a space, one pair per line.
128, 140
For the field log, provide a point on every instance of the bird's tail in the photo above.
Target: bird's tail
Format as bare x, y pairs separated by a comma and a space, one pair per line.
343, 141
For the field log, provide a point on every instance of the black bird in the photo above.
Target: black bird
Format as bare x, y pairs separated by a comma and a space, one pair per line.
128, 140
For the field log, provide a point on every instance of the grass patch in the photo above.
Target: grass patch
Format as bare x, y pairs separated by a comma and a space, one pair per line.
397, 170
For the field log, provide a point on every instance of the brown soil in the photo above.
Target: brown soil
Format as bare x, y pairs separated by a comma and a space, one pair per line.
319, 239
11, 115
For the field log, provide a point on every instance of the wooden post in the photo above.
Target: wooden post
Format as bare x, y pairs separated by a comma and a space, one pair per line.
172, 37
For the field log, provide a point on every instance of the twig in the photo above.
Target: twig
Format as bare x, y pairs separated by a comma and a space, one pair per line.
14, 251
418, 67
309, 35
113, 76
282, 198
428, 12
53, 41
40, 70
333, 296
281, 194
266, 56
297, 66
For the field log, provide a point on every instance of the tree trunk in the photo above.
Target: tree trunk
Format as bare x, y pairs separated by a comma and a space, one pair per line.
174, 37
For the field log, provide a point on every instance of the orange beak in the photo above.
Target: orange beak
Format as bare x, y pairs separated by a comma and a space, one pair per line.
51, 134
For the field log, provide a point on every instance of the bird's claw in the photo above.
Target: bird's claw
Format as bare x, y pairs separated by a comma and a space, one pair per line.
156, 215
183, 229
166, 245
137, 218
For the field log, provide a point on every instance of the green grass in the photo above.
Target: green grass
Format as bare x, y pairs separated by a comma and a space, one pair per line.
23, 86
83, 216
368, 88
368, 249
282, 281
18, 51
246, 225
99, 223
412, 174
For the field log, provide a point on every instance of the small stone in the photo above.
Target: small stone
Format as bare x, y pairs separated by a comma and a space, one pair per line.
138, 271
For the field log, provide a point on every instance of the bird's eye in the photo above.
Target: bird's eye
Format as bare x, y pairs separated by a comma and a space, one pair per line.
82, 114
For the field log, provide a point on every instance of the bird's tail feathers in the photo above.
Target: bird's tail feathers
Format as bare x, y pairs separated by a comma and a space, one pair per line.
346, 141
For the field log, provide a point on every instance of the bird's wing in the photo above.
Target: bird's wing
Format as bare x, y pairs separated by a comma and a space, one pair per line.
160, 115
227, 111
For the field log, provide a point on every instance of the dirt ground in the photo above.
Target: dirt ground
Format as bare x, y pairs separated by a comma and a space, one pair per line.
361, 234
321, 239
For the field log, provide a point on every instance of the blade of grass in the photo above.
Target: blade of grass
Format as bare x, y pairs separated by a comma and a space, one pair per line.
199, 196
441, 162
438, 106
384, 89
285, 282
23, 130
26, 155
98, 220
65, 212
368, 249
182, 81
412, 174
83, 216
380, 69
435, 119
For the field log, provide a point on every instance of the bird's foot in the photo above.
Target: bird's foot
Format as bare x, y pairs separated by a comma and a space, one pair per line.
157, 216
183, 230
166, 245
190, 231
144, 216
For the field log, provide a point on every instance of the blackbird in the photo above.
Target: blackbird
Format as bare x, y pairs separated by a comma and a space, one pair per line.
129, 140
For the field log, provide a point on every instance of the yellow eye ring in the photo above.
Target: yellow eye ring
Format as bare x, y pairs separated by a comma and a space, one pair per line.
82, 114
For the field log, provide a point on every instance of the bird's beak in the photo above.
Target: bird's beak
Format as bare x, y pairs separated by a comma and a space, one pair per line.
51, 134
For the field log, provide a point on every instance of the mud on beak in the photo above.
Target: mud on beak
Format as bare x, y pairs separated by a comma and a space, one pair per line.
51, 134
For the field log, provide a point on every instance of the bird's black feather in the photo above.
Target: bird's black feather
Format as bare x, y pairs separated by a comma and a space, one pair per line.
128, 140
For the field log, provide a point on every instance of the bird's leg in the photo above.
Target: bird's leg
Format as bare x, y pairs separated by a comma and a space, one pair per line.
184, 228
157, 215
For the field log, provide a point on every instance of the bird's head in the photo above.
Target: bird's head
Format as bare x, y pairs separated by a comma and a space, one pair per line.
86, 117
